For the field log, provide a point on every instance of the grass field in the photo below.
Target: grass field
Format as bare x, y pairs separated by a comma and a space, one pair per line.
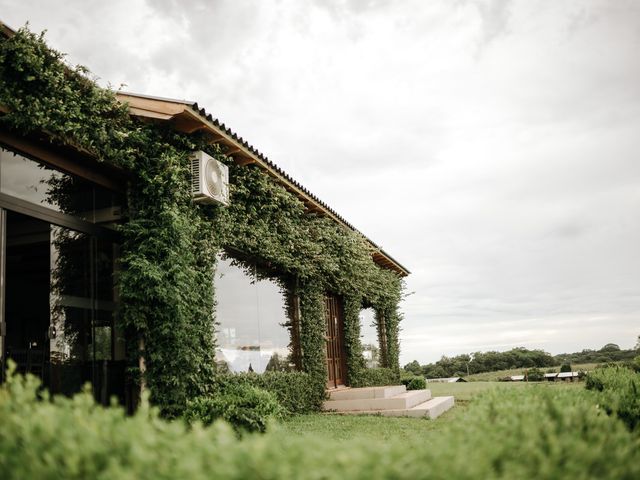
497, 375
347, 427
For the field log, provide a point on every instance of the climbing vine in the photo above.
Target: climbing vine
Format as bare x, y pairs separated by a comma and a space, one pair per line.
169, 244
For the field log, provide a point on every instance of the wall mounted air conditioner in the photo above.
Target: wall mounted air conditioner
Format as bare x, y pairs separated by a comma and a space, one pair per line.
209, 179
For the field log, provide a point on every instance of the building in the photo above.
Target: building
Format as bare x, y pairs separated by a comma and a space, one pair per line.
446, 380
107, 263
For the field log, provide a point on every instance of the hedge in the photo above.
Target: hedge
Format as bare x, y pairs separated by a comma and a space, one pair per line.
293, 390
533, 432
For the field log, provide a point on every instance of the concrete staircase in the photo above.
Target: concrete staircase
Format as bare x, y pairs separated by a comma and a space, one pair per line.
393, 401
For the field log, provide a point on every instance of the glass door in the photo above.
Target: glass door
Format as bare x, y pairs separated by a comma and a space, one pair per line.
59, 308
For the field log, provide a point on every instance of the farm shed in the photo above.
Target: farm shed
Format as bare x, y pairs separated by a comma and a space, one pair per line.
144, 244
568, 376
446, 380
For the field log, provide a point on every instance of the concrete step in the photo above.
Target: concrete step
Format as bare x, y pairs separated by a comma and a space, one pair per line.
401, 401
368, 392
432, 408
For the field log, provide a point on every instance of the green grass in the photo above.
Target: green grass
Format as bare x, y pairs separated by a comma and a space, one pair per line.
347, 427
499, 374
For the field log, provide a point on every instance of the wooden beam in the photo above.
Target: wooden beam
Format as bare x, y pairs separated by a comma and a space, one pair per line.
232, 151
242, 161
151, 104
187, 124
141, 112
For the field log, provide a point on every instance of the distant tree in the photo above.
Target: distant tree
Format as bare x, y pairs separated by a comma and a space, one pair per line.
610, 347
437, 372
565, 367
638, 343
413, 367
534, 375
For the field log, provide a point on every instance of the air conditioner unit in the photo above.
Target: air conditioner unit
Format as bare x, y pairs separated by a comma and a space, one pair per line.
209, 179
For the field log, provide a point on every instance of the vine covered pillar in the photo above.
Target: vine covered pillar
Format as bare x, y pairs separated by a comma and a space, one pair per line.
312, 336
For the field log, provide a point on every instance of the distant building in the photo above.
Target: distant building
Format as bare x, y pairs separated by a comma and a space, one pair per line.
568, 376
446, 380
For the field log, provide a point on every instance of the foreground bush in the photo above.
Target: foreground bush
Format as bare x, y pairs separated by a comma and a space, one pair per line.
532, 432
294, 390
619, 389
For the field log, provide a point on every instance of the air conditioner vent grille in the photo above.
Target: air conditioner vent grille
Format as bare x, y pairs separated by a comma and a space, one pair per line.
195, 175
209, 179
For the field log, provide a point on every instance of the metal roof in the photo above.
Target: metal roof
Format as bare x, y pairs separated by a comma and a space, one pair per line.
567, 374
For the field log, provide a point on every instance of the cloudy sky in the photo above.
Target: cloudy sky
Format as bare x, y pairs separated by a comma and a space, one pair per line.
489, 146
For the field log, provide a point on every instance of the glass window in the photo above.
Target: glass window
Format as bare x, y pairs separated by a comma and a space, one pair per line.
252, 333
37, 183
369, 337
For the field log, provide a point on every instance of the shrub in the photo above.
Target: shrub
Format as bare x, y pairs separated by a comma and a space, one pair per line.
534, 375
414, 382
245, 407
619, 392
377, 377
565, 368
635, 364
294, 390
536, 432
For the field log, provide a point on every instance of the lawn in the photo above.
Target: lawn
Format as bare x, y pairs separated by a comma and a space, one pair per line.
347, 427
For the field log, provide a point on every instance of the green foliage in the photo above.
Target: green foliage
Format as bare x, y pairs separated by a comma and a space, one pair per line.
635, 365
608, 353
170, 244
356, 364
480, 362
247, 408
516, 358
529, 432
377, 377
619, 389
565, 367
293, 390
413, 382
413, 367
534, 375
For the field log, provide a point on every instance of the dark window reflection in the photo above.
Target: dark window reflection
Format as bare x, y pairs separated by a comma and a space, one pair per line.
369, 337
37, 183
252, 331
58, 328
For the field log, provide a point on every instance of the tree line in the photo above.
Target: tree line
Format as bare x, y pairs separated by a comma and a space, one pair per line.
480, 362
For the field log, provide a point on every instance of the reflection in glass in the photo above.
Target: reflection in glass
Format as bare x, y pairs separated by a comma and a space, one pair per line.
369, 337
37, 183
60, 299
82, 340
252, 316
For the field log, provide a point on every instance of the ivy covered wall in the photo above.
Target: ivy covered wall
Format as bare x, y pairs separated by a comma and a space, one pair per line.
170, 244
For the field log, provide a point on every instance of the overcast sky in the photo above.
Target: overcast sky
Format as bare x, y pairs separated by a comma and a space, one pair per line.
489, 146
